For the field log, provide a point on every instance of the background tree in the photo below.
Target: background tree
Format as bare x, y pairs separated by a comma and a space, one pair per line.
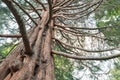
42, 26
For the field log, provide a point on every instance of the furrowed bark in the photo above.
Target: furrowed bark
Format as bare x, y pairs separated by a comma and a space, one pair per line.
31, 63
41, 60
4, 68
46, 70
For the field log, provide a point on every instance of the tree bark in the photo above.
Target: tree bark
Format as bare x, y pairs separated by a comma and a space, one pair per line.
39, 66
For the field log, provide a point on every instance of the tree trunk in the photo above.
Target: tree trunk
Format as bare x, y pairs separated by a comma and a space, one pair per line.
39, 66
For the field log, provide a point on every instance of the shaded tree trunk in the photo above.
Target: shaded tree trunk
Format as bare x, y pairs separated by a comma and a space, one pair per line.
39, 66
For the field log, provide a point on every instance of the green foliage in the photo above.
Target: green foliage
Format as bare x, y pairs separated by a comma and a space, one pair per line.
109, 16
63, 68
108, 9
112, 34
116, 72
4, 49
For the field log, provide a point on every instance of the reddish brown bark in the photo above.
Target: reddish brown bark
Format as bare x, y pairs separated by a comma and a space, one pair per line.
39, 66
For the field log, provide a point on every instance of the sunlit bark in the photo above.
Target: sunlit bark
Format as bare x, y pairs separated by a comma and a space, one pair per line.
52, 17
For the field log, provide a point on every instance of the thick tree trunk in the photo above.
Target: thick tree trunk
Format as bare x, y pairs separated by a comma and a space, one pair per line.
39, 66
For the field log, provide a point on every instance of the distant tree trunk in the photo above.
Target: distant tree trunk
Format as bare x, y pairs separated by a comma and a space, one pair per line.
39, 66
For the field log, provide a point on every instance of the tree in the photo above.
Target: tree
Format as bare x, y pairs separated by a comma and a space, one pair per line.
32, 58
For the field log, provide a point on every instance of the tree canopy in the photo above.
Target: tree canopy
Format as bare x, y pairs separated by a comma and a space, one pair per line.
65, 35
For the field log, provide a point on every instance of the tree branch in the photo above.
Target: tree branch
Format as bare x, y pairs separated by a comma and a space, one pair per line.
93, 51
34, 9
85, 58
85, 13
83, 10
37, 1
21, 26
98, 28
25, 12
50, 10
11, 35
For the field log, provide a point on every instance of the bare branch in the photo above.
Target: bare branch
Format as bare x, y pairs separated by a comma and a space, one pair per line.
82, 11
62, 5
66, 49
25, 12
78, 16
21, 26
85, 58
60, 2
86, 50
11, 35
34, 8
41, 4
98, 28
82, 34
76, 7
75, 32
